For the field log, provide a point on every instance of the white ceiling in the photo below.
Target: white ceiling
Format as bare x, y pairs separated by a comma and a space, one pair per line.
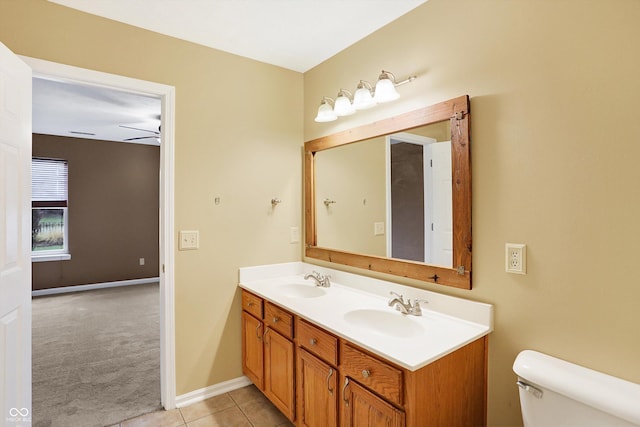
92, 112
293, 34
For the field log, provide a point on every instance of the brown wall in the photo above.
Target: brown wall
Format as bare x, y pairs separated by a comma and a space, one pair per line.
113, 211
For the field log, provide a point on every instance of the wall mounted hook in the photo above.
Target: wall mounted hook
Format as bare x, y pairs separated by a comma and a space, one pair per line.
275, 201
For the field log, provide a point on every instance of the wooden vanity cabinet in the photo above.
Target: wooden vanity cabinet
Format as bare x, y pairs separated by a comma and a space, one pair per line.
279, 372
268, 352
360, 407
319, 380
373, 373
252, 346
450, 391
316, 391
317, 376
253, 349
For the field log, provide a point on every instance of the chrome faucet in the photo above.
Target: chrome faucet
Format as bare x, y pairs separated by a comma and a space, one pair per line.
406, 307
320, 279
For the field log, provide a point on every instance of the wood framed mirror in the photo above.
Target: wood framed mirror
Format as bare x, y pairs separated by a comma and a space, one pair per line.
352, 211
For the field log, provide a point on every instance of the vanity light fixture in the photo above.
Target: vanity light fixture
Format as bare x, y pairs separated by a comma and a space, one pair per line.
365, 97
343, 105
385, 88
325, 111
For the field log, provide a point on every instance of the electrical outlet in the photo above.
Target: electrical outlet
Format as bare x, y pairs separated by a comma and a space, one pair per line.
516, 258
141, 261
188, 240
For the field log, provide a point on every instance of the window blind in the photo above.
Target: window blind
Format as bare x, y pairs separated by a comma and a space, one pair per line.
49, 178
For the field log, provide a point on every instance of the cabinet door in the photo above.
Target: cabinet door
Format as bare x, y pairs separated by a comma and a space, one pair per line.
317, 403
362, 408
252, 349
279, 380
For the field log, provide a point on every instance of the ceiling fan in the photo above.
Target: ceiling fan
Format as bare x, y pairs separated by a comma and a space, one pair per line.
156, 134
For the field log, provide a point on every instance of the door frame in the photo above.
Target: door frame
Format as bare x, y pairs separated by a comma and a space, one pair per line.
425, 142
52, 70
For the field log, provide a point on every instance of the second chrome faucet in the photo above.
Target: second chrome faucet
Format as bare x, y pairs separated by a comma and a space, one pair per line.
406, 307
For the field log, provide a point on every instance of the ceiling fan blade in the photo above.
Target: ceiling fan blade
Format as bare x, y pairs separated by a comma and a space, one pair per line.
142, 137
134, 128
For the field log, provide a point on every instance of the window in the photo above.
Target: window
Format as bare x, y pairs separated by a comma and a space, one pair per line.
50, 224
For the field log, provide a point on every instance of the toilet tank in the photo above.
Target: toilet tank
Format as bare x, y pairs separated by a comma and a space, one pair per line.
554, 392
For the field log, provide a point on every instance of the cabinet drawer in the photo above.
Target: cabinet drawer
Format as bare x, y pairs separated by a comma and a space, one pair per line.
278, 320
317, 341
252, 304
372, 373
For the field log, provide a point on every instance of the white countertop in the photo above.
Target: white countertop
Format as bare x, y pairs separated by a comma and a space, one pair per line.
447, 323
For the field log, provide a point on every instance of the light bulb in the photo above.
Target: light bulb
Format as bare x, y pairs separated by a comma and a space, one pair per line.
385, 90
343, 105
362, 99
325, 113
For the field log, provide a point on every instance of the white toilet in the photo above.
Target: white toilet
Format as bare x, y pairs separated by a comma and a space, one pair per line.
558, 393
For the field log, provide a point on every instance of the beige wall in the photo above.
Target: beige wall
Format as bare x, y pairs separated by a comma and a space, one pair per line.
553, 88
440, 131
113, 211
238, 136
354, 177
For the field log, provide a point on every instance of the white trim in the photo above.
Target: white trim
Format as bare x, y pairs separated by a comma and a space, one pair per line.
93, 286
61, 72
50, 257
211, 391
167, 261
411, 138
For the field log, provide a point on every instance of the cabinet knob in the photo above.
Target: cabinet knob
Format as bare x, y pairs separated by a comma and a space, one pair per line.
250, 304
313, 341
276, 319
366, 373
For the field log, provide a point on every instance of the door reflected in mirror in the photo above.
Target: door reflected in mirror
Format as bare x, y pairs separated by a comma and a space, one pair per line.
388, 196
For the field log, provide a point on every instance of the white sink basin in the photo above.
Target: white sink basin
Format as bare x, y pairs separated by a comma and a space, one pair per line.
301, 290
388, 323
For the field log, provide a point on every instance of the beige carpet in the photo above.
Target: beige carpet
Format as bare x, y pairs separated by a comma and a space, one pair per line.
96, 356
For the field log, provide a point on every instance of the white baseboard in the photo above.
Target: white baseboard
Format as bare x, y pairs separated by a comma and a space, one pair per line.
65, 289
213, 390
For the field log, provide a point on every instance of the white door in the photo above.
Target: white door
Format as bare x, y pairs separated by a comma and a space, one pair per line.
15, 240
442, 249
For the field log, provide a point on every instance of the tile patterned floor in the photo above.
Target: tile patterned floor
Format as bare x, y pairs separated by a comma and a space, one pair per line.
245, 407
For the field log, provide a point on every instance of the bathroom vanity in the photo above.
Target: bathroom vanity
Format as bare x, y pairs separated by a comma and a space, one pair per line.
340, 355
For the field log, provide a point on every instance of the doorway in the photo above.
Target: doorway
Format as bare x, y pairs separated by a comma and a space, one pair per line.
419, 199
51, 70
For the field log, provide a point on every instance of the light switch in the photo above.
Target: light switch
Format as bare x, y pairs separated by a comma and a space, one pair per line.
188, 240
378, 228
294, 235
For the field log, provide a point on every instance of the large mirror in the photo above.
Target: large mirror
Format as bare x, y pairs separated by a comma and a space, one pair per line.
395, 196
